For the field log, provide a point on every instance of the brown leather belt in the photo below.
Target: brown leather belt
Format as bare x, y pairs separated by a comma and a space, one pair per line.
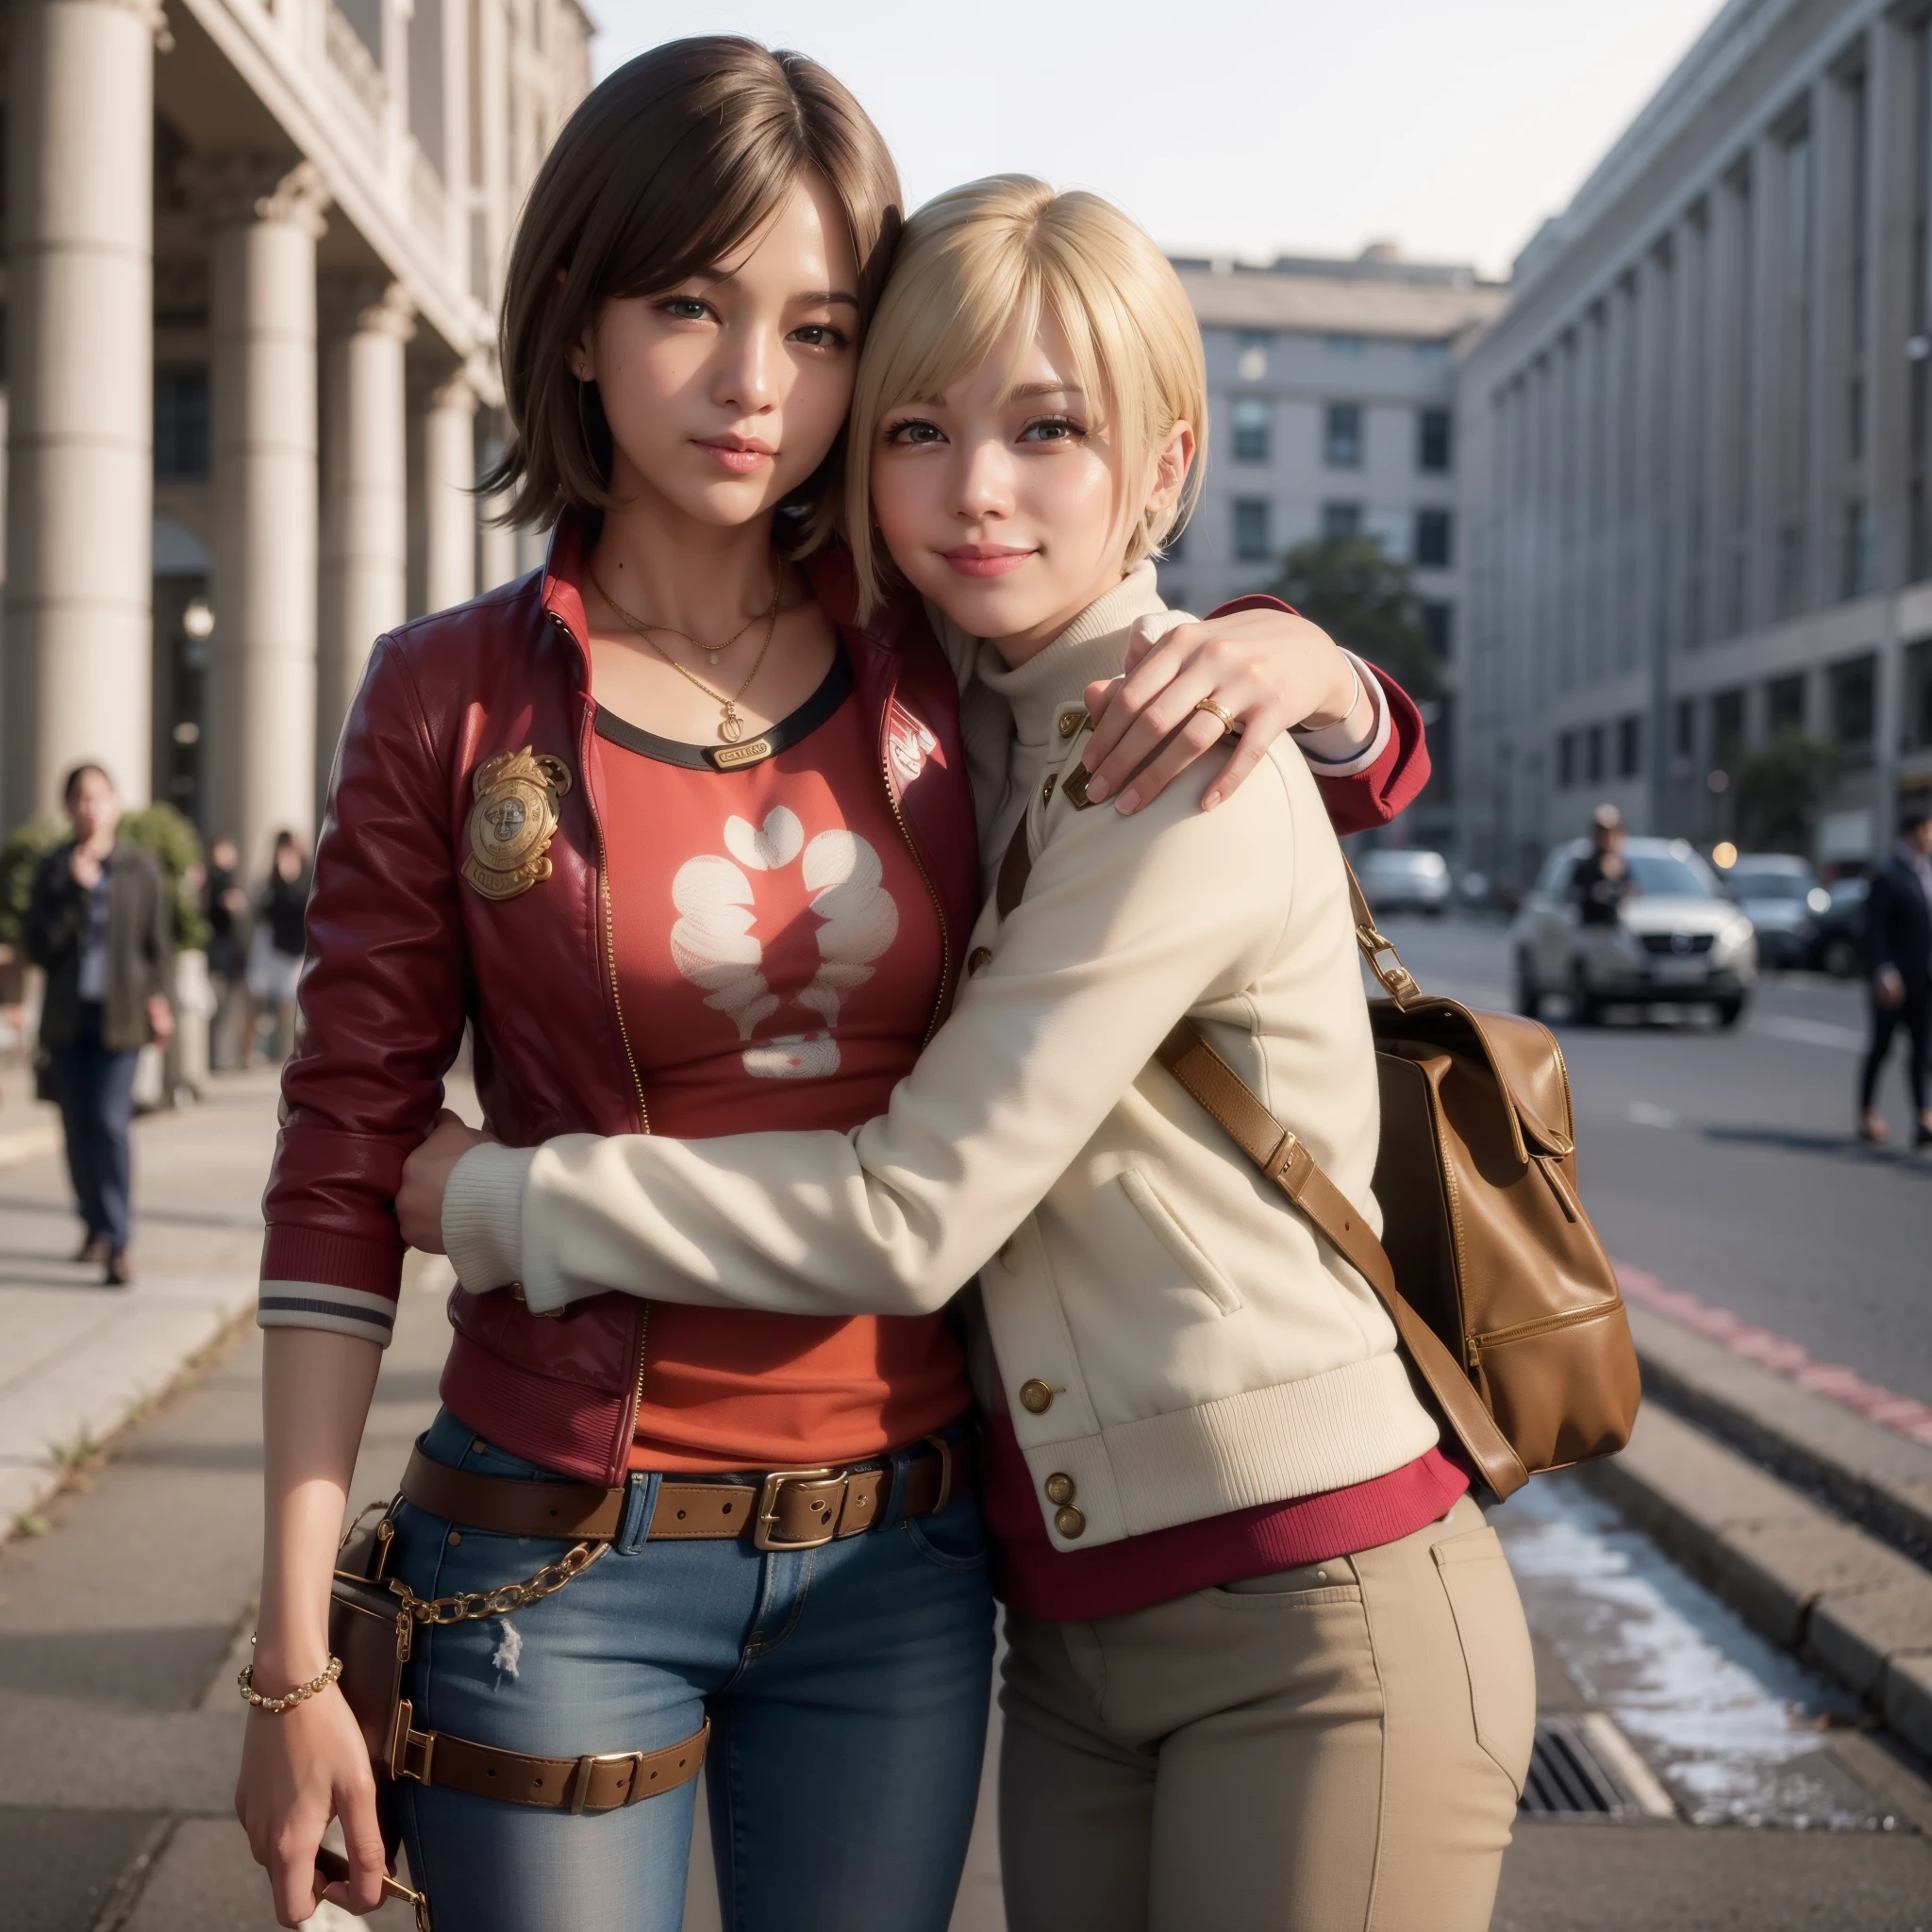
787, 1509
605, 1781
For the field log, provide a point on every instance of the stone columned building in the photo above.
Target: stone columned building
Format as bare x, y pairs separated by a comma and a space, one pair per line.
253, 257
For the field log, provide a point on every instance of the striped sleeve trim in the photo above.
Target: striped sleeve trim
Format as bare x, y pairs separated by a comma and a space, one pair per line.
322, 1305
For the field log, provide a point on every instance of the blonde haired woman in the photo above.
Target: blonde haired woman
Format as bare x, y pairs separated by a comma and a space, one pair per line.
1267, 1666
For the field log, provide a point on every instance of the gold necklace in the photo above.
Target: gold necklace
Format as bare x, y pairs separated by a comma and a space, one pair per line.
730, 721
631, 622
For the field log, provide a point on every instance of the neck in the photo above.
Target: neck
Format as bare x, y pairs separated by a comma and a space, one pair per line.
1020, 645
661, 563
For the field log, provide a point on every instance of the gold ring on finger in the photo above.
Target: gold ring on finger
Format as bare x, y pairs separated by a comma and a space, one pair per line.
1228, 723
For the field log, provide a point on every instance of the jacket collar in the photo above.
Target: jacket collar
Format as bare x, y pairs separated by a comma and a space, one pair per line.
1093, 646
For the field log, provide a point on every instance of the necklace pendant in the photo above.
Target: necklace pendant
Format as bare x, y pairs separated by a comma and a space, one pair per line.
730, 727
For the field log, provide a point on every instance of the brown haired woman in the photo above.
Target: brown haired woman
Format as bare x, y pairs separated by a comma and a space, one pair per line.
690, 849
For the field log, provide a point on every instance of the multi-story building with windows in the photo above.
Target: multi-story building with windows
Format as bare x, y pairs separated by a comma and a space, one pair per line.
1331, 396
1695, 450
254, 251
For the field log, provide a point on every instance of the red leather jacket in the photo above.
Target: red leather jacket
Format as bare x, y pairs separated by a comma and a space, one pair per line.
402, 951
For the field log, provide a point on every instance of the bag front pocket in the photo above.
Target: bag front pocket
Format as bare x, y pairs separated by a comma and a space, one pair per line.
1495, 1647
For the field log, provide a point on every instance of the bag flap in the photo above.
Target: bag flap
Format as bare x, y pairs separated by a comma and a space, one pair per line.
1522, 1054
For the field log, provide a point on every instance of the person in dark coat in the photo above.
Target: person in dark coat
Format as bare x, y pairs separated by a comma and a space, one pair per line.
101, 927
1898, 961
1602, 880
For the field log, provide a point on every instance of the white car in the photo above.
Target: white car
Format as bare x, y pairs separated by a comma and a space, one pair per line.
1401, 880
1677, 939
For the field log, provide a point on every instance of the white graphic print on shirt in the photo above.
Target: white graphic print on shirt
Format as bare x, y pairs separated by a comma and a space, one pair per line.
715, 947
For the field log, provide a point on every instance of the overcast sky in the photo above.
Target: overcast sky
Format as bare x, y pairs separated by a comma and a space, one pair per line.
1252, 127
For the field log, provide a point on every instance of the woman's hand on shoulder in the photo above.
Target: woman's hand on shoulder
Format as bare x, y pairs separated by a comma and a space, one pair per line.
425, 1179
1268, 670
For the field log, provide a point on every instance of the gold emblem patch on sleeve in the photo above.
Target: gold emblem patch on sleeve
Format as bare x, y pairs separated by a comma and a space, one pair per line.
513, 821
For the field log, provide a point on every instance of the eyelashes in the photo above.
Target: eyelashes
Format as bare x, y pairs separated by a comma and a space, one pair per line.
906, 432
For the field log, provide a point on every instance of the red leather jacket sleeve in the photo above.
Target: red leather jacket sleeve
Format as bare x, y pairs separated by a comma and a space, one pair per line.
382, 1001
1389, 786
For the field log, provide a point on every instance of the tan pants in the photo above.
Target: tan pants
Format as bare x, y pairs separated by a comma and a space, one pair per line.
1337, 1748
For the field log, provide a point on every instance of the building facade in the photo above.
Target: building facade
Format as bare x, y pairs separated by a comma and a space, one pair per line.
254, 255
1696, 450
1332, 408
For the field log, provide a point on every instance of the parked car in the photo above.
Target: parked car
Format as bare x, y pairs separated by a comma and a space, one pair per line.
1782, 900
1677, 939
1406, 881
1837, 946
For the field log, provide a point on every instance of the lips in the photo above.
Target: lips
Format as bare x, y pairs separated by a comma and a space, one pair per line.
741, 455
986, 559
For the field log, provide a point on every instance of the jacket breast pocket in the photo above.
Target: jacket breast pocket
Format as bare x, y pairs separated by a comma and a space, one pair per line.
1186, 1251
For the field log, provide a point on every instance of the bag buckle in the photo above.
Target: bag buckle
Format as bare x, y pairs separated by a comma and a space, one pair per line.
772, 1492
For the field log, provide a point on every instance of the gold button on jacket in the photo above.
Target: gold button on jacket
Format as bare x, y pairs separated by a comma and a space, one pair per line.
1070, 1523
1036, 1397
1060, 1488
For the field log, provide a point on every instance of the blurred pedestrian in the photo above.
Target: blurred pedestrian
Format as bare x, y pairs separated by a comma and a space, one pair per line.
224, 905
101, 927
1898, 962
1601, 882
274, 951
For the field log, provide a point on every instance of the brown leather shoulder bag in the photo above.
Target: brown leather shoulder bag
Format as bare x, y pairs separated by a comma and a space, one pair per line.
1497, 1283
1504, 1299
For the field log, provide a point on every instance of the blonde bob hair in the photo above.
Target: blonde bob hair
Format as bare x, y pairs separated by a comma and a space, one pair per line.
1008, 250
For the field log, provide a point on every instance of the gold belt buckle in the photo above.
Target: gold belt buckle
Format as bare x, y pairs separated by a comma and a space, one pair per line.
770, 1492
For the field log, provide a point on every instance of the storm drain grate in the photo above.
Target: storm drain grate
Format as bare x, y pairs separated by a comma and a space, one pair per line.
1584, 1767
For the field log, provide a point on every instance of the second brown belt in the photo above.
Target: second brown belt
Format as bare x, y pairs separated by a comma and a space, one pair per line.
784, 1510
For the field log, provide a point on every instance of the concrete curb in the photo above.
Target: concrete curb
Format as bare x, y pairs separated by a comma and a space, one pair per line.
1876, 1476
1797, 1574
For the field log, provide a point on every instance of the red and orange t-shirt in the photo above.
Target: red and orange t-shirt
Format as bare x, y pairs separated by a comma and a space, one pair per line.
778, 958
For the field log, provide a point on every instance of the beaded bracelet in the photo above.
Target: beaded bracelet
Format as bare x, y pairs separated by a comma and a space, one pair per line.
275, 1705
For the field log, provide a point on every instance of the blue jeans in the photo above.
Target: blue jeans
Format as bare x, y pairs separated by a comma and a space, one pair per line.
97, 1088
847, 1689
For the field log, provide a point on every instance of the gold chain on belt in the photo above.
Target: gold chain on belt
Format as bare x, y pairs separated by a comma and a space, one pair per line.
506, 1597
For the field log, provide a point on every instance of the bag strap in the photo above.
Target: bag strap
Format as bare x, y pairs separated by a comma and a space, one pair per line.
1186, 1054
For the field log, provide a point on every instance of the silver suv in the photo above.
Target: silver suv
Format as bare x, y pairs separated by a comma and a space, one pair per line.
1677, 939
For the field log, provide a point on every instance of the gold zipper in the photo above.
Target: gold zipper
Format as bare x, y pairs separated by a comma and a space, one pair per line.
1495, 1338
617, 1007
939, 1006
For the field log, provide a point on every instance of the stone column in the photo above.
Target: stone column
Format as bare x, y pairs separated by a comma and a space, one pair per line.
79, 640
261, 743
449, 473
365, 505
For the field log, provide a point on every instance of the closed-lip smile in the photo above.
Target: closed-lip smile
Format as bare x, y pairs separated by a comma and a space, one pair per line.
986, 559
738, 453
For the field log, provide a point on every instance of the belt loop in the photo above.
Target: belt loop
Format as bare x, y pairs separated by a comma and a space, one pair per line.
580, 1795
639, 1506
898, 1464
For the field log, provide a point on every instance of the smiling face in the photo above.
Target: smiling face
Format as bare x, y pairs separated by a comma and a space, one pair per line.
1006, 500
726, 393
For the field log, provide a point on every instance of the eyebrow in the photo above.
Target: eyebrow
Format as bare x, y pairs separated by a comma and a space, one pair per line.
813, 298
1025, 392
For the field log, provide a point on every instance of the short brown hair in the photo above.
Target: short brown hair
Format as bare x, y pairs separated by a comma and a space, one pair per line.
665, 168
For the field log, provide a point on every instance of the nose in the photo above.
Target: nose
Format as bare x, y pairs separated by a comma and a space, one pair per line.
984, 484
746, 369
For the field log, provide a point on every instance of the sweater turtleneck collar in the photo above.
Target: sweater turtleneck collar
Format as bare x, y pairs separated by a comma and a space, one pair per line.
1093, 646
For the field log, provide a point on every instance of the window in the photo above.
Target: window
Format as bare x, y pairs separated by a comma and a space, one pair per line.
1342, 519
1566, 760
1432, 546
1726, 727
1432, 441
1251, 354
1252, 540
1784, 704
1686, 735
1629, 746
1438, 630
180, 423
1432, 352
1853, 706
1251, 417
1593, 754
1341, 437
1348, 346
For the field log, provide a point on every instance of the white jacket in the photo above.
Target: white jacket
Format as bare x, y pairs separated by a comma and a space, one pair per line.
1204, 1348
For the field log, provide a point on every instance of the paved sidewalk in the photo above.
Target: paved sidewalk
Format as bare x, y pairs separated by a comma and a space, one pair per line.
76, 1360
